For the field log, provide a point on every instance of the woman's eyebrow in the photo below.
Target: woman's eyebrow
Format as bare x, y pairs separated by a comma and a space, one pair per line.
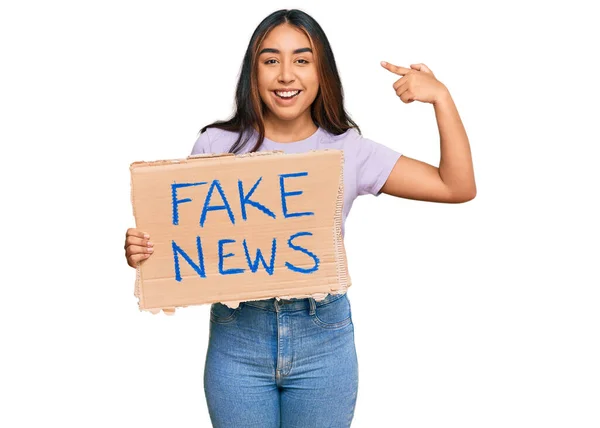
277, 51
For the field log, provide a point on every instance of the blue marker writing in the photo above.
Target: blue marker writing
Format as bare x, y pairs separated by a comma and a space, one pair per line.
303, 250
216, 184
176, 202
246, 200
285, 194
253, 265
222, 257
199, 268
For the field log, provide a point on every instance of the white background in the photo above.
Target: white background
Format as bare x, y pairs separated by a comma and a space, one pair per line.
484, 314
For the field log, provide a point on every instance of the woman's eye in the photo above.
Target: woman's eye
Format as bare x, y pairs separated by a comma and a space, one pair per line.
269, 61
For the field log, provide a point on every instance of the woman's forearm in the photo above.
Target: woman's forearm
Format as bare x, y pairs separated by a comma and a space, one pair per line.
456, 165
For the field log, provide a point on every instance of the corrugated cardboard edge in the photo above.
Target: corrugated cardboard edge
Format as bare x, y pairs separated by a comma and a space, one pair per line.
340, 255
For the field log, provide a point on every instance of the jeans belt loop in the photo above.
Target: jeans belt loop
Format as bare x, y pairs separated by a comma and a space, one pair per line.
312, 305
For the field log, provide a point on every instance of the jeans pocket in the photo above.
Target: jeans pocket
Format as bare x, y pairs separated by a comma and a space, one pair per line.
334, 314
223, 314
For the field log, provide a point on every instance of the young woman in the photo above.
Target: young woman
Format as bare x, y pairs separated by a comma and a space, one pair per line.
292, 363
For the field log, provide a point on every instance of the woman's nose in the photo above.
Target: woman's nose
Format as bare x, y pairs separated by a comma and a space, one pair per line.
285, 73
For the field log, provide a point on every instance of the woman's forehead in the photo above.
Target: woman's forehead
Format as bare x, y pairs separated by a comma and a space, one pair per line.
285, 38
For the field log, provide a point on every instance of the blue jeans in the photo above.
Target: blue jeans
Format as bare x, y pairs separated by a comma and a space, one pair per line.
282, 363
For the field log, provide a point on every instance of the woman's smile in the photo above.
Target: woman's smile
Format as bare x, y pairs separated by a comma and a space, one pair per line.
286, 101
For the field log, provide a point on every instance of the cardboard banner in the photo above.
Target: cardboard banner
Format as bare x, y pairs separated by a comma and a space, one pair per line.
230, 228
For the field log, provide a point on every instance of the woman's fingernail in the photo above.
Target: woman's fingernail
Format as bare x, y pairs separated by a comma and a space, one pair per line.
150, 244
146, 236
150, 249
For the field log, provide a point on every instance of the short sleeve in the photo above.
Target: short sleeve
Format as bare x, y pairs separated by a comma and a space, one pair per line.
375, 162
202, 144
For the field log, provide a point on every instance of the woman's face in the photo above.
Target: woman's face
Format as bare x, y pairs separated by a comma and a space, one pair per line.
285, 61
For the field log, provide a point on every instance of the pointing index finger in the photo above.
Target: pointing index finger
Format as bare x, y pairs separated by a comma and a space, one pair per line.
395, 68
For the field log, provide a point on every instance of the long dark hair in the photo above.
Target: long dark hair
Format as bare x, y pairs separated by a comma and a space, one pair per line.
327, 110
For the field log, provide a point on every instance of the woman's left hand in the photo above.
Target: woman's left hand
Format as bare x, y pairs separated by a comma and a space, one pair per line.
417, 84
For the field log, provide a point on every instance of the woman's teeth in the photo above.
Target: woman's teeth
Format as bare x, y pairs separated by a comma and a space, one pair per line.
287, 94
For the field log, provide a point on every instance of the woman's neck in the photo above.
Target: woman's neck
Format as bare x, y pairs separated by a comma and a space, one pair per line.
287, 132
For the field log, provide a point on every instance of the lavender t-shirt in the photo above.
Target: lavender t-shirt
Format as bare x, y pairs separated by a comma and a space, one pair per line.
367, 164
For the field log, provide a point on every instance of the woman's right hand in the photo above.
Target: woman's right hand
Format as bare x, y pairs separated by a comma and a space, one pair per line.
137, 246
